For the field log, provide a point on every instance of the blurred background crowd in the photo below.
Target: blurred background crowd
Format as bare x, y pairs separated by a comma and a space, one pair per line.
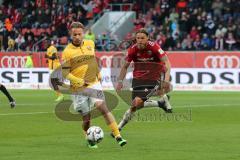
174, 24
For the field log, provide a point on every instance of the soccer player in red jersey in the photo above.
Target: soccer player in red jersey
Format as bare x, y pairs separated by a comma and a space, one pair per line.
149, 62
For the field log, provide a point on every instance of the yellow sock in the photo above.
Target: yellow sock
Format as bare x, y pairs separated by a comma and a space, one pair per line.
114, 128
85, 134
58, 93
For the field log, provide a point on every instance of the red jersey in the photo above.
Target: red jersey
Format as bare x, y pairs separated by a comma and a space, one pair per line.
147, 62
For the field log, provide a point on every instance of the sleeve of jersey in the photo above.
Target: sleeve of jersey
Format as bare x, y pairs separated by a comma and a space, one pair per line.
48, 54
66, 71
65, 60
129, 57
160, 52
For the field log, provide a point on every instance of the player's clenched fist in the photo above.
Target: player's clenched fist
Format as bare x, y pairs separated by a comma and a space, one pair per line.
165, 88
78, 84
119, 86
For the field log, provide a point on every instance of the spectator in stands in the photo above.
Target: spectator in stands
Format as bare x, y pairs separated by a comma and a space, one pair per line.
182, 6
29, 61
53, 31
20, 41
174, 16
230, 42
27, 34
80, 17
62, 28
197, 43
47, 19
228, 6
11, 44
161, 39
187, 43
236, 9
32, 20
183, 23
2, 16
221, 31
217, 7
1, 35
194, 17
219, 43
194, 33
89, 35
210, 25
8, 25
29, 41
206, 42
237, 34
169, 43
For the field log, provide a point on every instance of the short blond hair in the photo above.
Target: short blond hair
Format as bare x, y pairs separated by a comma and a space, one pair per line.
76, 25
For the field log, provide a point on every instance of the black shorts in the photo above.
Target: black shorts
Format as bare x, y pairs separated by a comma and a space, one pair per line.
141, 88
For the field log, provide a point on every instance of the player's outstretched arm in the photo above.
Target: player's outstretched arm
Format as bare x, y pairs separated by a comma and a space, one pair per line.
168, 68
122, 75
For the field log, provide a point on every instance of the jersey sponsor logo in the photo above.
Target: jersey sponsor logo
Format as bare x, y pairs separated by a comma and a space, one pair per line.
145, 59
222, 62
149, 52
81, 59
89, 48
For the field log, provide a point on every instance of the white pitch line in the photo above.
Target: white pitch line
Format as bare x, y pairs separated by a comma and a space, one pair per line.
26, 113
195, 106
34, 104
207, 105
185, 106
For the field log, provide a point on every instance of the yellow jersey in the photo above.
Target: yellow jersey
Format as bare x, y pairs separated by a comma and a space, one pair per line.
81, 61
53, 64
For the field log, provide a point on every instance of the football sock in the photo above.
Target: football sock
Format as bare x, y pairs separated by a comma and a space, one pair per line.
151, 103
4, 90
126, 117
114, 129
58, 93
167, 103
85, 134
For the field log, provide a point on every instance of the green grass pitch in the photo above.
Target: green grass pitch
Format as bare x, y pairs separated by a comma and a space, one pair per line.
204, 126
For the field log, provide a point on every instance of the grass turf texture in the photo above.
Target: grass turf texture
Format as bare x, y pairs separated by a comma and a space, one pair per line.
208, 128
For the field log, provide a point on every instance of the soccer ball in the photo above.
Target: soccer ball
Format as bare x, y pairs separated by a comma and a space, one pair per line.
95, 134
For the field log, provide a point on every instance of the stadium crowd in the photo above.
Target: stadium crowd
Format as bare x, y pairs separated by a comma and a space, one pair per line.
174, 24
23, 23
193, 24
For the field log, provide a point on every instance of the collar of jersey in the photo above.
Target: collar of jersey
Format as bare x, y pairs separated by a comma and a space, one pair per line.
77, 46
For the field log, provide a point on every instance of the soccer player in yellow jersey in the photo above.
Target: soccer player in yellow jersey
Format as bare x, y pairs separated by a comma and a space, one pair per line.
54, 63
80, 67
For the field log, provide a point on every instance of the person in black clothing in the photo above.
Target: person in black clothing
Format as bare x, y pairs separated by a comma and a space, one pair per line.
8, 95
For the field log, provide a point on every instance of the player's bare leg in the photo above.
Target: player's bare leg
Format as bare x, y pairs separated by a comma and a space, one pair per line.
55, 82
137, 104
110, 121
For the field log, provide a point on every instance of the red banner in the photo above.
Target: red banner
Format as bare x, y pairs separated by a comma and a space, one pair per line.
183, 59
